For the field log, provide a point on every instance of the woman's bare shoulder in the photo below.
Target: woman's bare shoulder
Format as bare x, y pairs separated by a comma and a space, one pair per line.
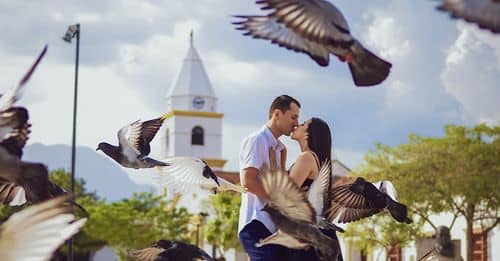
306, 156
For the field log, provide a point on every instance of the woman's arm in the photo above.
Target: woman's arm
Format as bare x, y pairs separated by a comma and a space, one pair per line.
302, 168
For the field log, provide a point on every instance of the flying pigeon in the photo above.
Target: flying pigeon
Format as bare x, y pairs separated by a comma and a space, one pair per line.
318, 29
185, 172
13, 94
21, 181
357, 199
36, 232
133, 146
12, 119
166, 250
484, 13
294, 217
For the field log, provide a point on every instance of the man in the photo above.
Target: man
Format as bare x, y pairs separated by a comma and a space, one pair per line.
259, 151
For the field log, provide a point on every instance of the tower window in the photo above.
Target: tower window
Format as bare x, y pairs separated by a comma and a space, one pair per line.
197, 136
167, 139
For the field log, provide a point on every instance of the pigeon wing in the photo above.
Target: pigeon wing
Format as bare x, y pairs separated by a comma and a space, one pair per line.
150, 128
316, 20
287, 197
7, 191
135, 137
184, 173
267, 28
15, 130
485, 13
35, 181
147, 254
13, 94
348, 205
148, 132
37, 231
319, 188
128, 139
341, 214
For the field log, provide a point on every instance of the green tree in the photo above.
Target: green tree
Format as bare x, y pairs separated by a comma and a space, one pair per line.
458, 173
222, 227
83, 243
137, 222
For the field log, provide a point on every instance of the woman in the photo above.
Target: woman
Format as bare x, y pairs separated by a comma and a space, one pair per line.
315, 143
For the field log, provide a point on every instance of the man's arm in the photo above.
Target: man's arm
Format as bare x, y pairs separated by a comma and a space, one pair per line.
250, 180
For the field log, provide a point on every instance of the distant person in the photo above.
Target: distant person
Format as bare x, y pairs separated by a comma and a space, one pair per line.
444, 250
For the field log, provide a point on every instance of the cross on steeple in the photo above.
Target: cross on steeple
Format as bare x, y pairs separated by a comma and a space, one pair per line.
191, 37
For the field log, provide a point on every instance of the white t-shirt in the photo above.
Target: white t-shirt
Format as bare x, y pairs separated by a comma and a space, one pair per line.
254, 152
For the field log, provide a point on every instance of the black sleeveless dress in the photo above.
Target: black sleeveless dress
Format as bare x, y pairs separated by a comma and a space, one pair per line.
310, 254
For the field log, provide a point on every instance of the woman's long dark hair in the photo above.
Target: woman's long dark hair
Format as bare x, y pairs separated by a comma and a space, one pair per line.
320, 139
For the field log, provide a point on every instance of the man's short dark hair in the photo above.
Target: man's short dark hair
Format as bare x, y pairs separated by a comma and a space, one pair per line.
282, 103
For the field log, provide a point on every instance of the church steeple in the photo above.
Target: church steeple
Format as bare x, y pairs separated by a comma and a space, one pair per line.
192, 125
192, 89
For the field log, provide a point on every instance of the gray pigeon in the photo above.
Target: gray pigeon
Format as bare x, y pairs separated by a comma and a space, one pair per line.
295, 218
188, 173
166, 250
484, 13
36, 232
133, 140
318, 29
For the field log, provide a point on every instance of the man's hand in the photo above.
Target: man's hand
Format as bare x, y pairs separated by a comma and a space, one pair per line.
251, 182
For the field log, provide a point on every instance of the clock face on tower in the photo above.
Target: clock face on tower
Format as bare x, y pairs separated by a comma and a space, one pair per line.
198, 102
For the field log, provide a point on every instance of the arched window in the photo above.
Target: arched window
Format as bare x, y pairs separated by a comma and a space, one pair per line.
197, 136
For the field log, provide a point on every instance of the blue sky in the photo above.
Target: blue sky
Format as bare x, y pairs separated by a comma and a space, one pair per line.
444, 71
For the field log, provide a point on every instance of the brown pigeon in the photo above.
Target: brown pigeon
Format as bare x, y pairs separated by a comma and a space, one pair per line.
318, 29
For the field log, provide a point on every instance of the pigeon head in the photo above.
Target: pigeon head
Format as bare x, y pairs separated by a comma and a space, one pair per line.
162, 243
103, 146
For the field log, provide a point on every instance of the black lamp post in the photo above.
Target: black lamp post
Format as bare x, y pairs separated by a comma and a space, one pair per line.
73, 30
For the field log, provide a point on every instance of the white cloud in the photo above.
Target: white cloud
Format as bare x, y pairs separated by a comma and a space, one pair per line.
472, 77
252, 75
387, 36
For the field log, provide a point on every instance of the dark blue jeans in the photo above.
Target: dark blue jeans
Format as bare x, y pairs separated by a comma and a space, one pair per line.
251, 234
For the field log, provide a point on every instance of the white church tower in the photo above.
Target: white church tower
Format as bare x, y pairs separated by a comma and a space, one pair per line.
193, 127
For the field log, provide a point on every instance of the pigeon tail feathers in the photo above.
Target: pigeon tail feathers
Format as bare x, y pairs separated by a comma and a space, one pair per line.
367, 69
398, 211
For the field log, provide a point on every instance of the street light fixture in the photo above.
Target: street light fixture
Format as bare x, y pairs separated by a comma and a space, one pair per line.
73, 30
